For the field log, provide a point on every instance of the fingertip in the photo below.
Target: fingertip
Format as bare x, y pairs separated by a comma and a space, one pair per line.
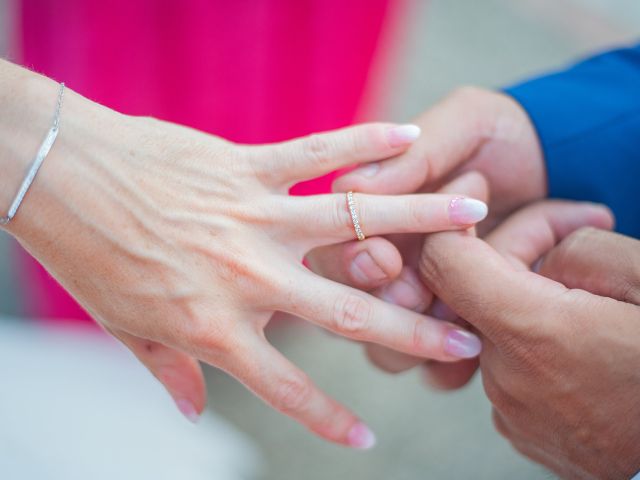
406, 291
185, 383
602, 217
402, 135
361, 437
472, 184
462, 344
188, 409
467, 211
449, 376
373, 264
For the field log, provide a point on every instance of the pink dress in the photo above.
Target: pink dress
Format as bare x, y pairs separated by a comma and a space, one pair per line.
250, 71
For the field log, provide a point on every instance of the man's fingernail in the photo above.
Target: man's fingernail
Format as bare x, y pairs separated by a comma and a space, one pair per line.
462, 344
188, 410
364, 269
467, 211
403, 135
360, 436
369, 170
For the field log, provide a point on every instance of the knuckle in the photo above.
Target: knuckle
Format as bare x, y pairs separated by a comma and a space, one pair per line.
558, 262
340, 216
578, 241
418, 336
494, 394
359, 140
430, 262
293, 393
352, 314
467, 92
415, 211
502, 401
499, 423
317, 149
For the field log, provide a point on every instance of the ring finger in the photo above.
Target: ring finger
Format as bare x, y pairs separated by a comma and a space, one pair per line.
326, 219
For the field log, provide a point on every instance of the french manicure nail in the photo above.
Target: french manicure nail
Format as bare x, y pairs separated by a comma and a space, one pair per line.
462, 344
188, 410
467, 211
361, 437
403, 135
364, 268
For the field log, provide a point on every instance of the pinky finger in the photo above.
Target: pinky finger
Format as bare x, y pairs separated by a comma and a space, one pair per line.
180, 374
286, 388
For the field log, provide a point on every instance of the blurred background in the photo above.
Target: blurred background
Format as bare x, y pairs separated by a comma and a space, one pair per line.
422, 434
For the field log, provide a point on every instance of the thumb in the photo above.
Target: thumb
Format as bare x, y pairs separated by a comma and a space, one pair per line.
180, 374
483, 287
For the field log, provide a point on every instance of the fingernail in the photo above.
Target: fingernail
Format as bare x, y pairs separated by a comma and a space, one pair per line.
403, 135
402, 293
188, 410
467, 211
368, 170
364, 268
462, 344
361, 437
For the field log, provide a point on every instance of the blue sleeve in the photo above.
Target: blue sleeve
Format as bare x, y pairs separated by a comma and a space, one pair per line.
588, 122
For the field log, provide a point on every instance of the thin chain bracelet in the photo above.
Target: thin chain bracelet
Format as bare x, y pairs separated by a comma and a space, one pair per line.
48, 142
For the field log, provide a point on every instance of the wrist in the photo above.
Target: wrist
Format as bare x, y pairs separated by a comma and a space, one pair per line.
64, 188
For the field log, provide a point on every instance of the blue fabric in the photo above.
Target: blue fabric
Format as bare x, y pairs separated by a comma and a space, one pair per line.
588, 121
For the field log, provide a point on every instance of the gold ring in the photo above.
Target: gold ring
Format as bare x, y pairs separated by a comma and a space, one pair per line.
351, 203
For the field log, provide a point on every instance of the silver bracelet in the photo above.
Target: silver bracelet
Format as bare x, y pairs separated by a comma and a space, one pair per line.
48, 142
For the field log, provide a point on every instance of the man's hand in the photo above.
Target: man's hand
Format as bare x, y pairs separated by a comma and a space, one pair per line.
471, 129
559, 363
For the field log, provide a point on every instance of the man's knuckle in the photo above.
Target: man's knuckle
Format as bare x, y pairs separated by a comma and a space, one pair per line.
500, 398
430, 262
352, 314
499, 423
294, 392
575, 244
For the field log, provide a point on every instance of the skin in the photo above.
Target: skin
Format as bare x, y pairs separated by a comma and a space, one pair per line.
573, 334
571, 331
184, 245
470, 130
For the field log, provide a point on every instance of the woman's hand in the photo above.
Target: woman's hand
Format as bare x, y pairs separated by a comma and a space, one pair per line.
183, 246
